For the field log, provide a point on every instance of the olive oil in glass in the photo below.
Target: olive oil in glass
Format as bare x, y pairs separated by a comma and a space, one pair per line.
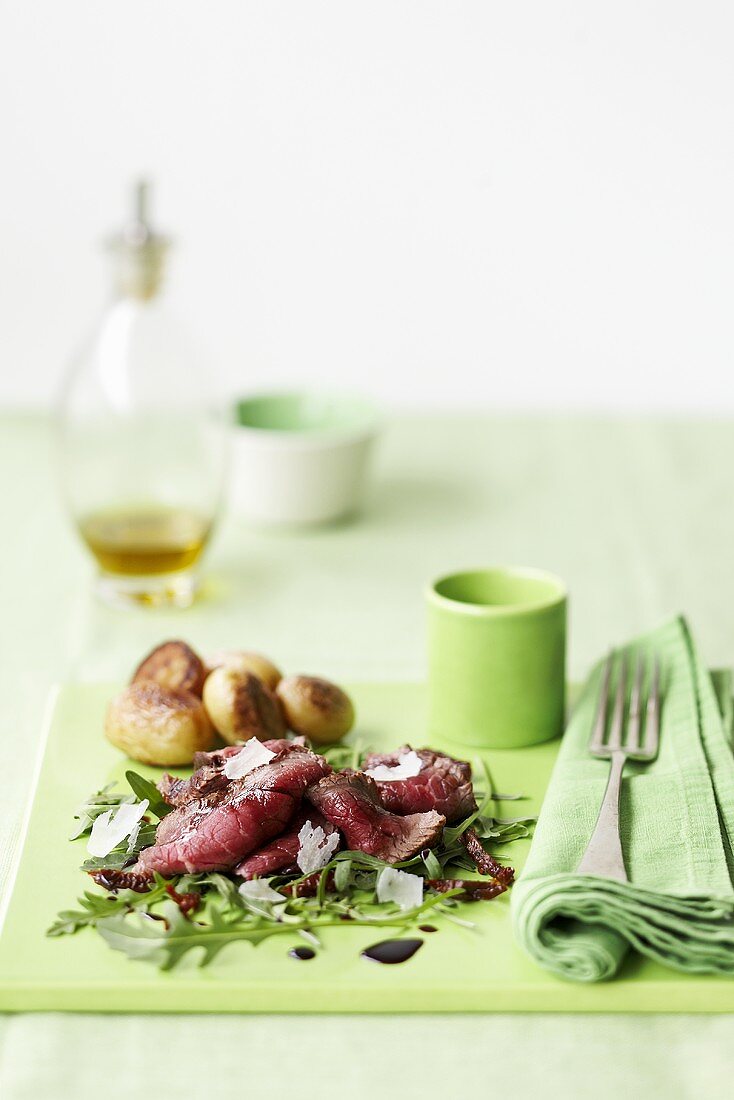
145, 541
142, 440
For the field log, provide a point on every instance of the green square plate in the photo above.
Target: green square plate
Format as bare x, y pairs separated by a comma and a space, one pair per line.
457, 970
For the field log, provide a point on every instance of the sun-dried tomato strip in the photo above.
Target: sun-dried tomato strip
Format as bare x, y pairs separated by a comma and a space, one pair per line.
187, 903
309, 887
471, 889
114, 880
485, 863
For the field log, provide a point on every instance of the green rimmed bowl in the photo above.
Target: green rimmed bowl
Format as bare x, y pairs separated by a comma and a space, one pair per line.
301, 458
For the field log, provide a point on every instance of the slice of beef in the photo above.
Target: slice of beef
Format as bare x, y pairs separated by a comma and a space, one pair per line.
351, 801
205, 783
218, 757
280, 854
173, 789
216, 832
443, 784
209, 774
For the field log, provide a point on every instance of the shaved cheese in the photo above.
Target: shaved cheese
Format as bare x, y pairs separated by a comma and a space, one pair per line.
133, 838
259, 889
398, 886
251, 756
316, 848
108, 831
408, 765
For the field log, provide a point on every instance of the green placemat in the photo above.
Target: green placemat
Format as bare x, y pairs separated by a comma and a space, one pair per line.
677, 823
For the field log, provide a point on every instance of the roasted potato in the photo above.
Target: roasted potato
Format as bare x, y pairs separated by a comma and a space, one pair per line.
158, 725
173, 665
243, 660
316, 708
241, 706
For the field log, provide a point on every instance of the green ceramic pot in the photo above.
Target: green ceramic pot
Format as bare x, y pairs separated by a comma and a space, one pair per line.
497, 657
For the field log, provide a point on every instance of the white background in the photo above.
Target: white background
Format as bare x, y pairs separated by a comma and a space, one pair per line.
519, 204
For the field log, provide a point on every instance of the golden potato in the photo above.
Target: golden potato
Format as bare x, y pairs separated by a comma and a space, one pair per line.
158, 725
243, 660
241, 706
316, 708
173, 665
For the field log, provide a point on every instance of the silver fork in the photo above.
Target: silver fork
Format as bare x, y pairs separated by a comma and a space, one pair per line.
603, 855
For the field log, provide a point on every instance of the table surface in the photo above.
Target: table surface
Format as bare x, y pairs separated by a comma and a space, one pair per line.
636, 515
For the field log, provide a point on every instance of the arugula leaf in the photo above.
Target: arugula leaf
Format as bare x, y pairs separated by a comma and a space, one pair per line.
309, 937
503, 831
96, 805
93, 908
342, 876
97, 907
143, 788
104, 800
166, 942
432, 863
123, 853
224, 886
344, 756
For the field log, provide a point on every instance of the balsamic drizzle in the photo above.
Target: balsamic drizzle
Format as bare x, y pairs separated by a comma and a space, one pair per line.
302, 953
392, 951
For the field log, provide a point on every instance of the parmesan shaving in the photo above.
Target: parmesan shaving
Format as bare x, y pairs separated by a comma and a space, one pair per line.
398, 886
251, 756
259, 889
108, 831
408, 765
316, 848
133, 838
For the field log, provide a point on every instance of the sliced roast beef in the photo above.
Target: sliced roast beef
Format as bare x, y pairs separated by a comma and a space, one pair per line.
216, 758
209, 774
443, 784
280, 854
216, 831
219, 757
203, 784
173, 789
351, 801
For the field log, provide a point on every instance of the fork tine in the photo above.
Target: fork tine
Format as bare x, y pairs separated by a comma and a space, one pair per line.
633, 722
652, 722
615, 733
600, 722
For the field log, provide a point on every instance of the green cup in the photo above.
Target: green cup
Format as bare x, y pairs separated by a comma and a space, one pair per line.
497, 657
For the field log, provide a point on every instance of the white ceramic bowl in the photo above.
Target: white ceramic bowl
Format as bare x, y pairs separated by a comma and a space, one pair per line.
300, 458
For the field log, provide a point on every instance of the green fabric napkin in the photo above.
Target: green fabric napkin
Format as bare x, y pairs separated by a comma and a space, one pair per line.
677, 826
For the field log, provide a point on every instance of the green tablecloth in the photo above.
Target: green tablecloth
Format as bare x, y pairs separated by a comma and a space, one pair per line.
638, 517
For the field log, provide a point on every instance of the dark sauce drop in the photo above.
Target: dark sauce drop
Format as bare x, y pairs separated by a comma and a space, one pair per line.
302, 953
392, 951
428, 928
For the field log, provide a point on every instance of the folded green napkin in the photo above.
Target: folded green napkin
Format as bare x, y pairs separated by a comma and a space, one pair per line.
677, 826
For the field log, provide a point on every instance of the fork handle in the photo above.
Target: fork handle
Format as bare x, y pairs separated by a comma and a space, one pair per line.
603, 855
